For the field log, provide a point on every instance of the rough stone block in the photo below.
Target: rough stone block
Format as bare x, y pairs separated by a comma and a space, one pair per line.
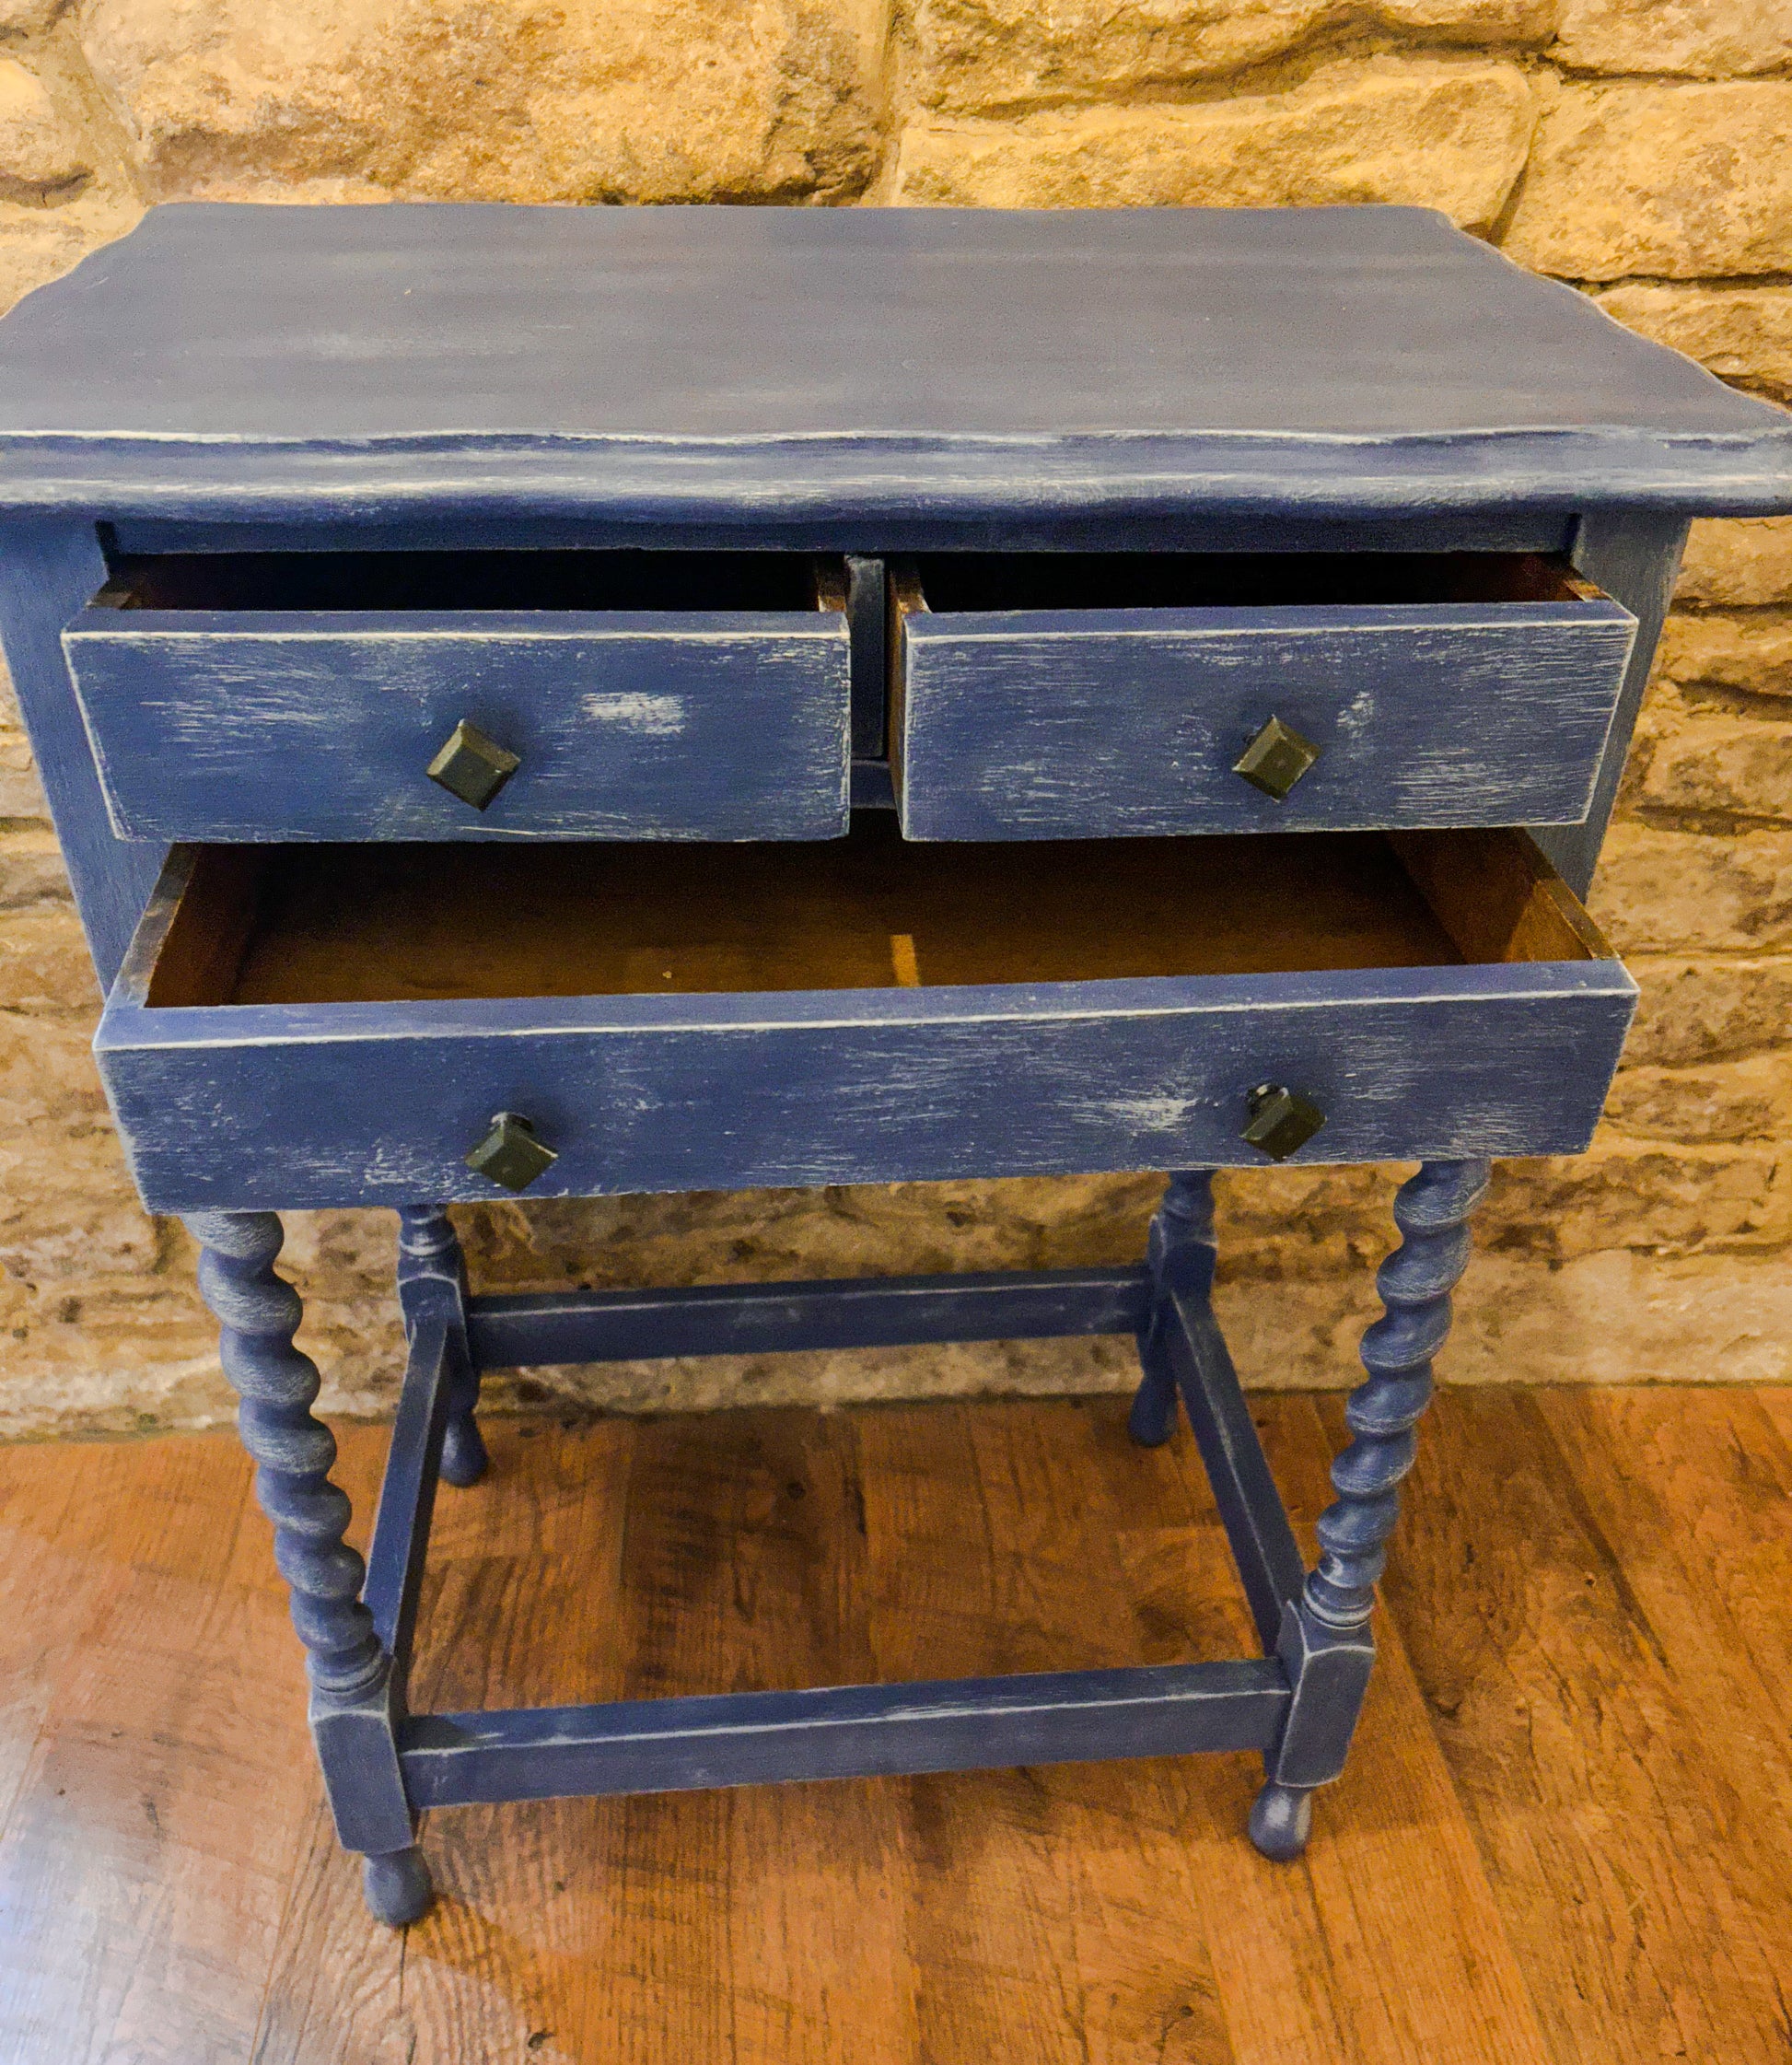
1282, 1225
1452, 136
1728, 1101
108, 1356
22, 793
1699, 1012
353, 1254
68, 1210
1738, 562
987, 57
1699, 39
1671, 180
38, 159
1620, 1317
1748, 652
43, 961
40, 244
30, 17
840, 1231
492, 99
47, 1079
1660, 892
1665, 1198
1741, 333
1717, 763
31, 870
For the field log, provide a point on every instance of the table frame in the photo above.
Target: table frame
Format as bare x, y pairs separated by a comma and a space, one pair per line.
1297, 1704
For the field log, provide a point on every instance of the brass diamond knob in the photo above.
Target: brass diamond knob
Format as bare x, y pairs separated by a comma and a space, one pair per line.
1280, 1121
1276, 759
473, 766
510, 1154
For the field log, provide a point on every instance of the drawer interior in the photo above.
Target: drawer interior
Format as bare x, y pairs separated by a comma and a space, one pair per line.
254, 581
342, 924
947, 582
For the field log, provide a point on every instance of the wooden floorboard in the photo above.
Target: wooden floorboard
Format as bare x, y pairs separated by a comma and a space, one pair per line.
1566, 1833
1635, 1842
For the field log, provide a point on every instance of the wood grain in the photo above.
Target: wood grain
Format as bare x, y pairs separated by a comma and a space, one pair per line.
1562, 1835
1632, 1831
358, 924
145, 1861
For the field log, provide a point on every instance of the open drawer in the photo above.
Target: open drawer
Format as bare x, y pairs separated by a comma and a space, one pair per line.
1067, 696
469, 696
328, 1025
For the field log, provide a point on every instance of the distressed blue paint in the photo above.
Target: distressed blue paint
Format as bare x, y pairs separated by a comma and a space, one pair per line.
1178, 1247
1263, 1543
1054, 723
258, 1314
673, 364
378, 1104
1325, 1645
1635, 559
766, 526
407, 1491
319, 725
540, 1328
47, 570
355, 1692
838, 1731
237, 379
432, 1281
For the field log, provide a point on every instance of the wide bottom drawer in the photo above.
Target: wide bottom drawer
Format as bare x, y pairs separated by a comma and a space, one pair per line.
311, 1025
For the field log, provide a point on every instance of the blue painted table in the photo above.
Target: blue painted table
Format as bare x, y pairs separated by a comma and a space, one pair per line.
579, 701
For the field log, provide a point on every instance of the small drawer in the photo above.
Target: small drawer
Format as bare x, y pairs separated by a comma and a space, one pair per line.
332, 1025
1070, 695
605, 695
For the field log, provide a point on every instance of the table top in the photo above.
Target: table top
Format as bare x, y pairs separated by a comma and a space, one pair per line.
669, 363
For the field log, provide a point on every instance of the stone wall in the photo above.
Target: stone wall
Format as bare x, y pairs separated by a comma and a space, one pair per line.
1642, 148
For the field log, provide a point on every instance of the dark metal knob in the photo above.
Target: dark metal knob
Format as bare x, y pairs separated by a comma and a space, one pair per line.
1280, 1121
1276, 759
510, 1154
473, 766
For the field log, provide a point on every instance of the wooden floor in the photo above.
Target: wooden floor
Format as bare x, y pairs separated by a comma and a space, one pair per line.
1566, 1834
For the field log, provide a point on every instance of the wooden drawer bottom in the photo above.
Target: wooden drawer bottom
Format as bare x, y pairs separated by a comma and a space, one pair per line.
329, 1024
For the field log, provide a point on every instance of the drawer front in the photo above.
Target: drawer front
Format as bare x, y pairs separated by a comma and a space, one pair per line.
339, 1105
1047, 723
861, 1010
301, 725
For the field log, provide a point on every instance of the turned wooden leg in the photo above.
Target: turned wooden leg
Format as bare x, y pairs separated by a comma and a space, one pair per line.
353, 1706
431, 1269
1325, 1643
1180, 1254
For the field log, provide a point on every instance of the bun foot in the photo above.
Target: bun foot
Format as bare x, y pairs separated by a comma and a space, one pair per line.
1153, 1418
464, 1460
397, 1887
1281, 1821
